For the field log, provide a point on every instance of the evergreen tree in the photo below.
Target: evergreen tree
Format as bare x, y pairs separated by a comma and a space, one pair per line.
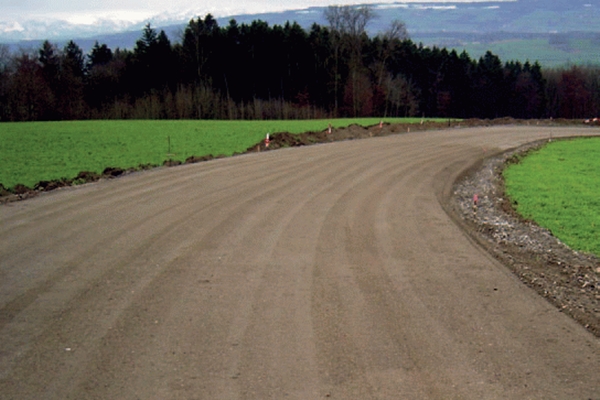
489, 98
5, 76
283, 71
71, 97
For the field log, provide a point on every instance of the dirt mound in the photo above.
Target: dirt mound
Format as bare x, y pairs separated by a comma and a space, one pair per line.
285, 139
22, 192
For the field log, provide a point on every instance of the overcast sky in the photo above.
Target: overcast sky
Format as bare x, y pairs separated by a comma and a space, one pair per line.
88, 11
82, 11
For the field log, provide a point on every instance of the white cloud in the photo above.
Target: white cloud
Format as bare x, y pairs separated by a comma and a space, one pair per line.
11, 27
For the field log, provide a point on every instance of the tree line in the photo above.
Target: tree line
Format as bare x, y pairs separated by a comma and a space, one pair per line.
257, 71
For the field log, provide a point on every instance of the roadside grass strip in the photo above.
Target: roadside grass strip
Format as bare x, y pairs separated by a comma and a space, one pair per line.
558, 186
31, 152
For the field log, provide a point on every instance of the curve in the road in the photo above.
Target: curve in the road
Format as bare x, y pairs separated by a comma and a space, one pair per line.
330, 271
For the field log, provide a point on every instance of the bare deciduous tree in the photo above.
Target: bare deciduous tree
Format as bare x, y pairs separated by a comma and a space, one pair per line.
347, 25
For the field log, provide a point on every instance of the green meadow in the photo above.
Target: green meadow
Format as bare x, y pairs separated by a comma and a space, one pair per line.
558, 186
31, 152
578, 52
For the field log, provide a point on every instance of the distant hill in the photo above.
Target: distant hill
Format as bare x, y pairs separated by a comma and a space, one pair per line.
553, 32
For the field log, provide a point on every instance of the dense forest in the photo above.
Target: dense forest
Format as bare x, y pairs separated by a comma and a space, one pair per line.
257, 71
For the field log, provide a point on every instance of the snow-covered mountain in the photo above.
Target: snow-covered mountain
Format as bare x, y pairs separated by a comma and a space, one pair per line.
78, 23
58, 29
424, 17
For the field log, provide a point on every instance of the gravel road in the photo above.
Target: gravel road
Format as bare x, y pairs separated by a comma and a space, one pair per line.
327, 271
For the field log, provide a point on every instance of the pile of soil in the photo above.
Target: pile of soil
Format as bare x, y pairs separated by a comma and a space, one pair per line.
22, 192
281, 140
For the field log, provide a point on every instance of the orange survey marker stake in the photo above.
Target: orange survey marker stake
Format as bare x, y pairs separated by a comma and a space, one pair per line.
267, 141
380, 124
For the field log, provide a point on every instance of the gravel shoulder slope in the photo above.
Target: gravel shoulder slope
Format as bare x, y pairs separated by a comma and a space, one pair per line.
568, 279
328, 271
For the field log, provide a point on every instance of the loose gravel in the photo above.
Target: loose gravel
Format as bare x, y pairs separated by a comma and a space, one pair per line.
566, 278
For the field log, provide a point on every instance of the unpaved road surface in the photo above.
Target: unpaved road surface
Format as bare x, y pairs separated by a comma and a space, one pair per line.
329, 271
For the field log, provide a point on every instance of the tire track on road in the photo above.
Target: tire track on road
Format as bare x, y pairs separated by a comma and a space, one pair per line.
120, 278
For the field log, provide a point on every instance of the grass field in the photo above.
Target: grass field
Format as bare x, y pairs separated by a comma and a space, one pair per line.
573, 52
35, 151
559, 187
579, 52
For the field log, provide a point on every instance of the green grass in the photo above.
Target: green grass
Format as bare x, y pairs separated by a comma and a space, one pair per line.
576, 51
34, 151
559, 188
580, 52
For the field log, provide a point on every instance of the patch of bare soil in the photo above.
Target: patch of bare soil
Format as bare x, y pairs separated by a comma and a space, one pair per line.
568, 279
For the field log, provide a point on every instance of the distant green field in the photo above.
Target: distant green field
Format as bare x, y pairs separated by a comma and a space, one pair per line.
577, 52
34, 151
573, 52
559, 187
